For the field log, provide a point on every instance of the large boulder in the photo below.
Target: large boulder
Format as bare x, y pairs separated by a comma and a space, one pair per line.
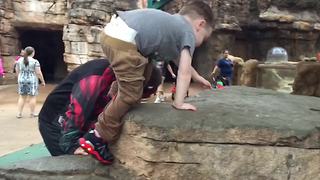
249, 73
307, 80
237, 133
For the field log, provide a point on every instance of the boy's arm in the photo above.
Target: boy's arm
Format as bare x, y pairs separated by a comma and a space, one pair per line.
183, 81
215, 69
196, 77
171, 71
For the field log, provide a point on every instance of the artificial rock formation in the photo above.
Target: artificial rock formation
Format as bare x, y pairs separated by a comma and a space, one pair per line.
19, 15
85, 22
249, 73
248, 28
79, 21
238, 133
307, 80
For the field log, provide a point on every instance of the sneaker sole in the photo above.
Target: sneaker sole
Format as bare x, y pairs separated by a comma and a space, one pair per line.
34, 115
88, 147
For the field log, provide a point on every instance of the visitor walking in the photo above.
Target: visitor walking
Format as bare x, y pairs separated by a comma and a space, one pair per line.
163, 67
2, 73
224, 69
28, 70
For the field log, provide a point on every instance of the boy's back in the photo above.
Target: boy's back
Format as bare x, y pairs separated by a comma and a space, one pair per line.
160, 32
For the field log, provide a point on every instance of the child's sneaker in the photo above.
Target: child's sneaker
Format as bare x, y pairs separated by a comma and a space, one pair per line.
95, 146
158, 100
162, 98
18, 116
33, 115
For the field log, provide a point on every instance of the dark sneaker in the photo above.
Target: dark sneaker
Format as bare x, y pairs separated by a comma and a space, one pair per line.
96, 147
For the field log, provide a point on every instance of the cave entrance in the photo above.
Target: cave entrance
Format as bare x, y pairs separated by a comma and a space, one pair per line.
248, 44
49, 49
317, 48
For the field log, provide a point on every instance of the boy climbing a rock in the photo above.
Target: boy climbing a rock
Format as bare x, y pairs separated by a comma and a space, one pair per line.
128, 41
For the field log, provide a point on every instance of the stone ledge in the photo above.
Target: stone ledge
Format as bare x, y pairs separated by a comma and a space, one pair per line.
64, 167
237, 133
234, 115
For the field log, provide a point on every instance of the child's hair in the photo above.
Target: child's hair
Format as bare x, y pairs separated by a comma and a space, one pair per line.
27, 52
195, 9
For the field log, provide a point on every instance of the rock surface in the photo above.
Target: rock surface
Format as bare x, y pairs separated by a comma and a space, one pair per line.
249, 73
248, 28
237, 133
307, 80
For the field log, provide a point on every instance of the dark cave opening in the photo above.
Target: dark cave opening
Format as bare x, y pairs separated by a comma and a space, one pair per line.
49, 49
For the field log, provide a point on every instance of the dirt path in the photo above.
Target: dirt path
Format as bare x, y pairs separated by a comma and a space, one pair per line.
17, 134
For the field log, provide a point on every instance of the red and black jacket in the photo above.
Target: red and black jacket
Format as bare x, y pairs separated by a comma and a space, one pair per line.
79, 99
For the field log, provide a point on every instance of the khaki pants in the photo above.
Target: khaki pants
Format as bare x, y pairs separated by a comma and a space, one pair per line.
131, 69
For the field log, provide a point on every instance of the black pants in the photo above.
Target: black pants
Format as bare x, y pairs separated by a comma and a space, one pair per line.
227, 81
51, 134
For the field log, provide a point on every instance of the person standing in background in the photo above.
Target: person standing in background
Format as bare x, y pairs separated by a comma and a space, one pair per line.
16, 60
225, 68
1, 68
163, 67
318, 56
28, 70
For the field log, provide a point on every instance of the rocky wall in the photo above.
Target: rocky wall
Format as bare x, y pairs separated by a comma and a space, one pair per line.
307, 80
86, 18
79, 20
19, 15
248, 28
7, 39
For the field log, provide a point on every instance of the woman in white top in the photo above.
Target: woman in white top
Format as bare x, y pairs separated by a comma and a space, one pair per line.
28, 70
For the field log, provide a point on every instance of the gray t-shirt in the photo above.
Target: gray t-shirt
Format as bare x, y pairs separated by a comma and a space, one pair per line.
160, 33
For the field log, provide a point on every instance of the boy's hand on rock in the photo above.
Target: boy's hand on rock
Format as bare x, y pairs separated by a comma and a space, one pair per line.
205, 83
80, 151
185, 106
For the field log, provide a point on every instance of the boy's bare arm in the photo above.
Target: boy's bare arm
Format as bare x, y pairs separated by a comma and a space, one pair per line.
196, 77
215, 70
183, 81
171, 71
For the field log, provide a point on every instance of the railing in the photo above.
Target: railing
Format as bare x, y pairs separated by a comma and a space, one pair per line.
157, 4
276, 76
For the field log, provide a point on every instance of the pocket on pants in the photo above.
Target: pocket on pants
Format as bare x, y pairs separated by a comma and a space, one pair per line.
130, 92
129, 66
107, 50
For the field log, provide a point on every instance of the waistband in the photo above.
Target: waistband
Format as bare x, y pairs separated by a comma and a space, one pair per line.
117, 43
117, 28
